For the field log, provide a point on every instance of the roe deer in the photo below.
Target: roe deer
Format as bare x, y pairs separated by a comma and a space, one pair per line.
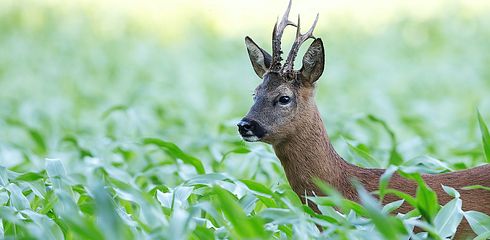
285, 115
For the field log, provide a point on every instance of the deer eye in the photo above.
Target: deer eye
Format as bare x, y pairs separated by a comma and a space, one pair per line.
284, 100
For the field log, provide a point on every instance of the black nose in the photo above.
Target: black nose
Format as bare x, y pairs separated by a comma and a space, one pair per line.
246, 127
250, 128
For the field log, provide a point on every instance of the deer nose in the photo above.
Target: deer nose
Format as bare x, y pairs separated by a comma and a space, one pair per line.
247, 127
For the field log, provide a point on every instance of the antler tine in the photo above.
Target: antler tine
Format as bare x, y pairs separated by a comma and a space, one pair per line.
276, 38
300, 39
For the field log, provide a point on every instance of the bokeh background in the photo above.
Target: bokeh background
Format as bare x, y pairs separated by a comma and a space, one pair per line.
85, 81
179, 69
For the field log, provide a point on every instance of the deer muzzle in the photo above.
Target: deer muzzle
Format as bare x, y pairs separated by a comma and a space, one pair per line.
251, 130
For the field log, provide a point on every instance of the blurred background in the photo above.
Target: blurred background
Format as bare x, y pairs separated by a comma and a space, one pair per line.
113, 72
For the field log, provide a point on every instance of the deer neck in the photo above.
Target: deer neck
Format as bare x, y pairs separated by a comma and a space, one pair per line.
308, 154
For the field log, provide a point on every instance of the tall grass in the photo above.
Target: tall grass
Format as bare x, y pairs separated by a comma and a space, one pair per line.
108, 130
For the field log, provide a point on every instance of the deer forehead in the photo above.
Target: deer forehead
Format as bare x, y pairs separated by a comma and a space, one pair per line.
273, 90
274, 84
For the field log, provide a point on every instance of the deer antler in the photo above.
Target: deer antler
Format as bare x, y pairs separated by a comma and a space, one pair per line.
276, 39
300, 39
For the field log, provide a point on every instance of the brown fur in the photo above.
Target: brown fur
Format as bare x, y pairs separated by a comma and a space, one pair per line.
308, 154
300, 141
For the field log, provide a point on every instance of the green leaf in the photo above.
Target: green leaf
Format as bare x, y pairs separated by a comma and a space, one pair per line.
485, 135
479, 222
35, 135
80, 226
320, 219
424, 226
38, 187
57, 174
238, 150
48, 202
384, 180
335, 198
448, 218
362, 152
206, 179
17, 198
55, 168
263, 193
48, 228
29, 176
279, 215
107, 214
181, 194
201, 232
9, 214
112, 109
73, 140
176, 152
388, 226
4, 180
38, 139
451, 191
243, 226
483, 236
258, 187
476, 187
425, 164
406, 197
179, 222
390, 207
4, 198
248, 202
427, 203
395, 158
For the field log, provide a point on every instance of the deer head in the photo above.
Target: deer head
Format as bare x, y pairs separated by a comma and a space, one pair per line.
285, 97
284, 114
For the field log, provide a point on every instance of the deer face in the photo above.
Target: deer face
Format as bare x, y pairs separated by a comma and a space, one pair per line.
284, 98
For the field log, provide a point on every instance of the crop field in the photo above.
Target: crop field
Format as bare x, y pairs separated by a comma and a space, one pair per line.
118, 121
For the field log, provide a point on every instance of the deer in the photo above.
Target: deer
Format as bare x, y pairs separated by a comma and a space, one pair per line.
284, 114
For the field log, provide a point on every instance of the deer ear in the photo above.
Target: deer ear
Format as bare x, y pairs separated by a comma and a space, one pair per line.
313, 61
261, 60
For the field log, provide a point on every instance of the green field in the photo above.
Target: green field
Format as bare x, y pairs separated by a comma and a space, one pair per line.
114, 128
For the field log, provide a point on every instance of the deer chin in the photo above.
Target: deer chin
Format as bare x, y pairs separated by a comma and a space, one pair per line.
251, 138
